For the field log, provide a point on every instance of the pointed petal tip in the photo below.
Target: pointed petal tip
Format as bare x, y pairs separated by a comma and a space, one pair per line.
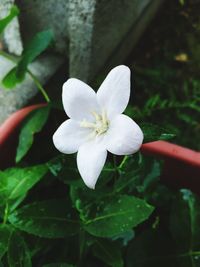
89, 182
91, 186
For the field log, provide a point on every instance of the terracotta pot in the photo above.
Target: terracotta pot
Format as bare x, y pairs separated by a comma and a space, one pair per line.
181, 167
9, 131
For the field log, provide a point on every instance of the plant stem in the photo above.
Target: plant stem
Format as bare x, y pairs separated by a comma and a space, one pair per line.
36, 81
5, 214
9, 57
39, 86
123, 162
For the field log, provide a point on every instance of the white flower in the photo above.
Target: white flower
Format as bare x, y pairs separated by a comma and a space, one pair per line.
96, 124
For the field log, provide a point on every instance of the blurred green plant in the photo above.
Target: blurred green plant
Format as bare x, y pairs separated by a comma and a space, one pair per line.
39, 43
14, 11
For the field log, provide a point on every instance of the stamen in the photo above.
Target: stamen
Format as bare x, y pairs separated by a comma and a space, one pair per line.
104, 118
96, 116
87, 124
100, 126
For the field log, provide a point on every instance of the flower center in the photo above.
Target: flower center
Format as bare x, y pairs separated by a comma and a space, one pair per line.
100, 126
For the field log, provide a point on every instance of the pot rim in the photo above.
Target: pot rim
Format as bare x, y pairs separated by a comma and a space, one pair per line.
162, 149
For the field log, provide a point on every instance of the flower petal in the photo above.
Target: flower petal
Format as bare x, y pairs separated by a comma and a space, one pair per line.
79, 100
69, 137
114, 93
91, 158
124, 136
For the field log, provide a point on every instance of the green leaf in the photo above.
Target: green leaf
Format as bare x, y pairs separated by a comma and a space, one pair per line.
32, 125
37, 45
130, 173
118, 216
62, 165
10, 80
152, 176
18, 252
125, 237
108, 252
50, 219
154, 132
186, 213
14, 11
5, 233
186, 210
15, 182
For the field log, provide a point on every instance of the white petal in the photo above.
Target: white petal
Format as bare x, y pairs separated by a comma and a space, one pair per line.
114, 93
69, 137
91, 158
79, 100
124, 136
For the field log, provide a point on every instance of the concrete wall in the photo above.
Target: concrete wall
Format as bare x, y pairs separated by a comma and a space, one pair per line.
91, 34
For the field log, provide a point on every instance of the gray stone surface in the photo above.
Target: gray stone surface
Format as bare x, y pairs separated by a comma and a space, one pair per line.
89, 31
81, 32
12, 100
11, 36
110, 21
38, 15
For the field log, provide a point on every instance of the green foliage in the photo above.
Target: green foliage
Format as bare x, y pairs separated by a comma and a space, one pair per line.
154, 132
18, 252
167, 73
15, 182
175, 244
39, 215
120, 215
36, 46
5, 234
32, 125
186, 210
10, 80
14, 11
61, 165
